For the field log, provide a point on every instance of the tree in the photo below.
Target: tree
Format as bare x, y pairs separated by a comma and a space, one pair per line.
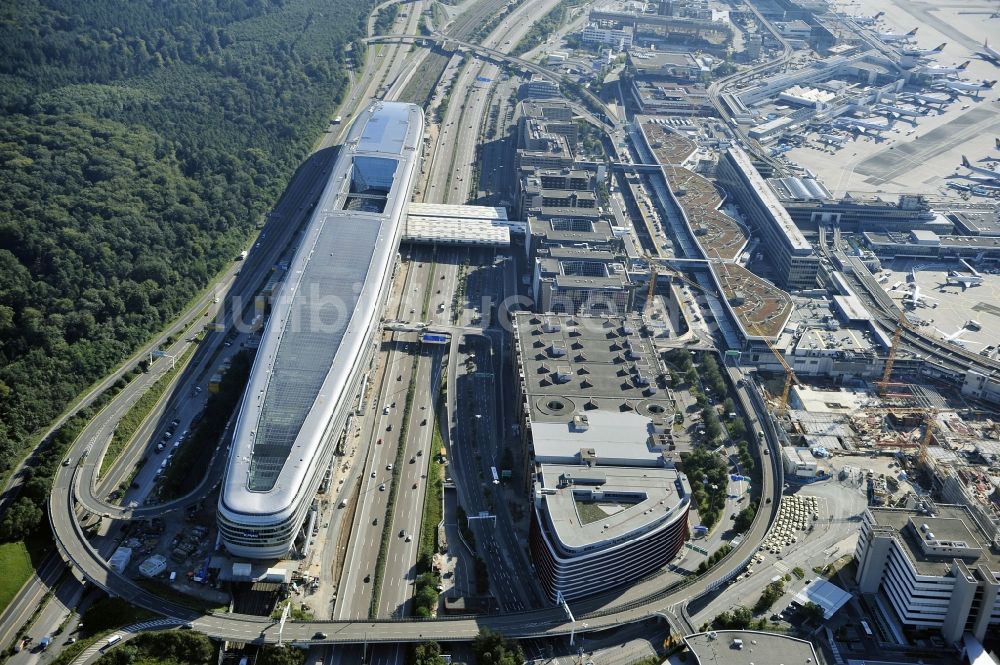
811, 612
20, 519
691, 376
427, 653
744, 519
271, 654
492, 648
772, 592
739, 619
187, 647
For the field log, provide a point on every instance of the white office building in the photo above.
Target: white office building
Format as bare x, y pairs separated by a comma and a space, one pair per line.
620, 38
932, 569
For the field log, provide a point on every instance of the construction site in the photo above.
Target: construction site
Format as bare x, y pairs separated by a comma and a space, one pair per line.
908, 443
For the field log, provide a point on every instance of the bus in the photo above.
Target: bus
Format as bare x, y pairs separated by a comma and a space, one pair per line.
496, 477
113, 640
867, 628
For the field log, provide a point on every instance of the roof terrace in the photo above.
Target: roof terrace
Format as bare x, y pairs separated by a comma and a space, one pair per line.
760, 307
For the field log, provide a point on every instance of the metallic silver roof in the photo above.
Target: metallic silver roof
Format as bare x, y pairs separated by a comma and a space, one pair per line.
322, 316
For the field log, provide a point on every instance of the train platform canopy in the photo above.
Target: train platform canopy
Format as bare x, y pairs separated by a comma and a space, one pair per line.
827, 595
434, 223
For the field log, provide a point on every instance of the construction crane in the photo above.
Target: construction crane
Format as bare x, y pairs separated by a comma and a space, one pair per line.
789, 372
653, 272
891, 358
658, 266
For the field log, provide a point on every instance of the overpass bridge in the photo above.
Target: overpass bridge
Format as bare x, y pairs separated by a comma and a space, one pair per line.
644, 169
499, 57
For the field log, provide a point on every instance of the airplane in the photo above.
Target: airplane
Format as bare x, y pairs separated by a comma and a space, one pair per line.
996, 143
989, 53
966, 87
932, 99
953, 337
890, 37
989, 173
863, 125
932, 70
868, 20
916, 299
965, 280
833, 139
923, 52
912, 113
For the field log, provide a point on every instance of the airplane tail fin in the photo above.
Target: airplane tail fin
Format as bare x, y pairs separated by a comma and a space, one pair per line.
962, 66
912, 33
996, 141
878, 16
941, 47
990, 84
965, 162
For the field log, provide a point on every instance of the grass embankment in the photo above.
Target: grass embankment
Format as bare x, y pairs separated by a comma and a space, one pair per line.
424, 308
426, 593
137, 415
15, 562
431, 517
438, 15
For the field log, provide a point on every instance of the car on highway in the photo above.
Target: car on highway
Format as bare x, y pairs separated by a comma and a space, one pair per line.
373, 474
319, 636
388, 467
381, 488
414, 486
408, 538
67, 461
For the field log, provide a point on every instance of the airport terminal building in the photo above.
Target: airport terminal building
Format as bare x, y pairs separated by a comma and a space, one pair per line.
793, 257
318, 343
608, 504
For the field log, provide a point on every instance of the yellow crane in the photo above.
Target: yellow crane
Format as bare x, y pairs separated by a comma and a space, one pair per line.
891, 358
657, 266
789, 372
653, 272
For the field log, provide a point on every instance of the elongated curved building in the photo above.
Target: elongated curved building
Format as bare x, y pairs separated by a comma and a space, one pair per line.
319, 340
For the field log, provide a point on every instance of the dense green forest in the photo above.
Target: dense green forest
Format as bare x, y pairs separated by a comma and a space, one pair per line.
140, 142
